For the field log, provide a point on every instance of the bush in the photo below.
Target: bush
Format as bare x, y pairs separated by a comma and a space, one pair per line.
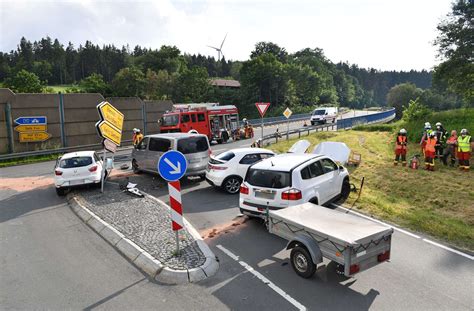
415, 111
24, 82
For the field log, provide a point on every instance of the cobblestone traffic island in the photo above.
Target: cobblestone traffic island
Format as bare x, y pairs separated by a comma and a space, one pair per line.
146, 222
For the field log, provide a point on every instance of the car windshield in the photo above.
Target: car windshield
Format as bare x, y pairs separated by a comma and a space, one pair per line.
319, 112
170, 120
75, 162
193, 145
268, 179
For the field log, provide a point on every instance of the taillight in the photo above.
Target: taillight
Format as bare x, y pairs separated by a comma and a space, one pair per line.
291, 195
209, 151
217, 168
58, 172
93, 168
354, 269
244, 189
384, 256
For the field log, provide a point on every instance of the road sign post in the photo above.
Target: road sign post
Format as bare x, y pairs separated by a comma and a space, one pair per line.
172, 166
262, 108
109, 128
287, 113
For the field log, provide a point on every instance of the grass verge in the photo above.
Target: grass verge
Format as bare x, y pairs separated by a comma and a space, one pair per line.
28, 160
439, 203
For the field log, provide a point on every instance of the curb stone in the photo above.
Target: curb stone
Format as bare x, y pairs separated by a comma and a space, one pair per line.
210, 266
139, 257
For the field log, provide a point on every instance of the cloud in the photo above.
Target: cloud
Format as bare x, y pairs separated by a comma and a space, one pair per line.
381, 34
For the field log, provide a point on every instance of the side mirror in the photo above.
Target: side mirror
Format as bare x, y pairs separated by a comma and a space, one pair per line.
341, 168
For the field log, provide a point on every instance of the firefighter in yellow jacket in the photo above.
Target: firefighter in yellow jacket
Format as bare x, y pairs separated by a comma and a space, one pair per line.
464, 150
137, 137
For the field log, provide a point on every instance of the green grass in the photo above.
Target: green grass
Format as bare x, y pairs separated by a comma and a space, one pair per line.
60, 88
28, 160
439, 203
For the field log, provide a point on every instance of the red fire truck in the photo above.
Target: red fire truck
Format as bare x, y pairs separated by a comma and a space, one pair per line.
215, 121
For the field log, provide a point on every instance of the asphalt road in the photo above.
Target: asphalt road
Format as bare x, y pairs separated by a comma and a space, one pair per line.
51, 260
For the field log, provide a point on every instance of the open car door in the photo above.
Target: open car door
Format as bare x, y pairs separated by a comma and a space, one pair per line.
301, 146
337, 151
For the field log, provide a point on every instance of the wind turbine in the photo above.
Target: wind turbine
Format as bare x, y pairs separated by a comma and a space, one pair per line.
219, 49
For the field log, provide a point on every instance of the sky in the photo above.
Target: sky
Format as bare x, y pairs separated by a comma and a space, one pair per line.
380, 34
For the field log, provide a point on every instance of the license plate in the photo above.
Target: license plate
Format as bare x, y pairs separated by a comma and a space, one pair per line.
194, 160
265, 194
76, 182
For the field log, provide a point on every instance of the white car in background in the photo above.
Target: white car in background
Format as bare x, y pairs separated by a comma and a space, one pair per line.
227, 170
292, 179
77, 169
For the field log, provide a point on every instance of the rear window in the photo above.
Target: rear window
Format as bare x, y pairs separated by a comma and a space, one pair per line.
225, 156
268, 179
193, 145
75, 162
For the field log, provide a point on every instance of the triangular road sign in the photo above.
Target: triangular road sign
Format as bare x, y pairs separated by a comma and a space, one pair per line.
262, 108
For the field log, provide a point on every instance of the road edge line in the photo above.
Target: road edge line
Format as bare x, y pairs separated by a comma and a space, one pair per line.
262, 278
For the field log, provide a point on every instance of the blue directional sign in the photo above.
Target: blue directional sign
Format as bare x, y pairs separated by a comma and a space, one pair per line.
172, 165
31, 120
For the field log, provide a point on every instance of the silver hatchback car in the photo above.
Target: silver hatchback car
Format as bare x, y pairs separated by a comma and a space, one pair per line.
195, 147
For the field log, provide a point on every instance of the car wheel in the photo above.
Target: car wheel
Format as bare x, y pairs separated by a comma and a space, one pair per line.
60, 191
345, 191
135, 167
301, 262
232, 184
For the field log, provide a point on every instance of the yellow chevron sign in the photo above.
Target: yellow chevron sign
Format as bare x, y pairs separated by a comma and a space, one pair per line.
26, 137
110, 132
111, 114
31, 128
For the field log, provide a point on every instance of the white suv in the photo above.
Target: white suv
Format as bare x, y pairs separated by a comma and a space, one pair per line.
292, 179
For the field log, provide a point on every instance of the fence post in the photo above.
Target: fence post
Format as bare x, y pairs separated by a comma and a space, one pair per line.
61, 120
144, 118
8, 123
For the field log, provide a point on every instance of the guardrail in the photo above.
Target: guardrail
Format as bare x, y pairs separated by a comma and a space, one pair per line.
381, 117
10, 156
280, 119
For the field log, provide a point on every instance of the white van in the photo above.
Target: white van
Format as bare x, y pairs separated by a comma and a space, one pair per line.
323, 115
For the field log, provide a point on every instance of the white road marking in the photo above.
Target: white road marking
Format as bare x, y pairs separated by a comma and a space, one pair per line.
449, 249
262, 278
408, 233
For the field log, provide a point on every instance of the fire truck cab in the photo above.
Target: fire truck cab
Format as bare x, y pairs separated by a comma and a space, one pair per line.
211, 119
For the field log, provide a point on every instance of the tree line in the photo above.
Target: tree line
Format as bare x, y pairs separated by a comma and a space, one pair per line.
297, 80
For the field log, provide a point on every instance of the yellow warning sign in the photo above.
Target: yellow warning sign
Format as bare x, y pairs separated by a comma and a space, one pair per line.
31, 128
111, 114
287, 113
26, 137
110, 132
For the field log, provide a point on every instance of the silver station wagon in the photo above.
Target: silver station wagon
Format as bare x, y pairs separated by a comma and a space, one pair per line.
195, 147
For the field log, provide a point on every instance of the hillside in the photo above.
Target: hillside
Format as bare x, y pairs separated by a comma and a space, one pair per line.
439, 203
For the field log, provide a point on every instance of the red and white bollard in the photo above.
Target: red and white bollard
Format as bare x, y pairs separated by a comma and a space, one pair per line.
174, 189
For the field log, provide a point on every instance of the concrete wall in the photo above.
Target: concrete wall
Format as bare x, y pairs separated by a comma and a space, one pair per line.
80, 117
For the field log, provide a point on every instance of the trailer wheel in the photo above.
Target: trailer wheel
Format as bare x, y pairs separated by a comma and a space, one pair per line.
301, 262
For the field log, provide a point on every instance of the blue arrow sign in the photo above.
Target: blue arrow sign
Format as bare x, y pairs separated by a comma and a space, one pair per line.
172, 165
31, 120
